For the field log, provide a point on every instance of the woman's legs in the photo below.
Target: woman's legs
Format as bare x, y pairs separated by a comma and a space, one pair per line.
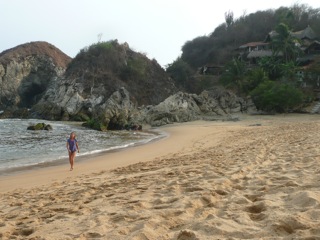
72, 155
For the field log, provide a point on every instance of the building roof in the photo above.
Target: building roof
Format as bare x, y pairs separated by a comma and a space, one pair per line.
253, 44
259, 54
314, 44
306, 33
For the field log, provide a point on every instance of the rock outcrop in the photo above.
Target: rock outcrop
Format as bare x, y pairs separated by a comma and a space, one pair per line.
26, 71
107, 85
95, 75
182, 107
116, 113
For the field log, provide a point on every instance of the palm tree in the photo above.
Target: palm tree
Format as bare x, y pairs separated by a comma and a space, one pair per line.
283, 42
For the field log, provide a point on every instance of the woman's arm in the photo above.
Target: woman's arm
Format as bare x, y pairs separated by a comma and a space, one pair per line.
77, 147
68, 146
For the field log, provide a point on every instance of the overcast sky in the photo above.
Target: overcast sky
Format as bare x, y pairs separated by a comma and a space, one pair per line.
158, 28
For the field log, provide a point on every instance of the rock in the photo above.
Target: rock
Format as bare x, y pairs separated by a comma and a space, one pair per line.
187, 235
26, 71
40, 126
15, 112
182, 107
120, 112
115, 113
48, 127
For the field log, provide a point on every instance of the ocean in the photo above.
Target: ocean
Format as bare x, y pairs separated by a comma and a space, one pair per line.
21, 148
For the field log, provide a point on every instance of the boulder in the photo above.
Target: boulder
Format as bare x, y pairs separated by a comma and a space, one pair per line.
40, 126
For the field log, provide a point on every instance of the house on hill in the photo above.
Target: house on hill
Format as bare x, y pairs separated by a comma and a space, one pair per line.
254, 50
306, 35
251, 52
307, 42
311, 53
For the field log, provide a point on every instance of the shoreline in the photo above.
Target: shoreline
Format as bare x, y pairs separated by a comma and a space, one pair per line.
82, 157
176, 137
35, 176
51, 171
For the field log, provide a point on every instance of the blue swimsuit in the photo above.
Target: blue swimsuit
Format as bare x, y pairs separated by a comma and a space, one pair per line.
72, 145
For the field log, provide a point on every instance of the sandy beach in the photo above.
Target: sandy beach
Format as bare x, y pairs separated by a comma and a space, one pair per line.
257, 178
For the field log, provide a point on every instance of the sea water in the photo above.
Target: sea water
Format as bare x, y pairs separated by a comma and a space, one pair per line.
21, 148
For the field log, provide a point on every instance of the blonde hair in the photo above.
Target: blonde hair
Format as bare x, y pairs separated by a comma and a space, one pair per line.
73, 133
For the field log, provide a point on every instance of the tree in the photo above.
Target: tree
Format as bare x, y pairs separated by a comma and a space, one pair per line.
181, 73
272, 96
228, 16
234, 75
195, 52
253, 79
271, 65
288, 71
284, 43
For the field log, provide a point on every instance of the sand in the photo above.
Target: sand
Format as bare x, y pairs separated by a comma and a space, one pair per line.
258, 178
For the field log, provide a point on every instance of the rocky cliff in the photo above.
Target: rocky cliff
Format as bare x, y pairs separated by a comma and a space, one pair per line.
26, 71
108, 85
95, 74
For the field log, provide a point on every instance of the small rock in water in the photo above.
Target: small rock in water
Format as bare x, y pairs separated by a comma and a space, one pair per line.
40, 126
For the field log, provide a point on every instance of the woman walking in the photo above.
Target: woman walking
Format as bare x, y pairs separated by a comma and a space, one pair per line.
72, 146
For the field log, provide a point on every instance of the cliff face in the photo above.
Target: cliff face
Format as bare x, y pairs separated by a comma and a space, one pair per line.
26, 71
107, 84
95, 74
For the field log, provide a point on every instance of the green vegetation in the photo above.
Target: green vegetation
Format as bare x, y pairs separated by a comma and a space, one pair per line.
234, 75
272, 80
181, 73
285, 43
104, 67
95, 124
253, 79
272, 96
218, 47
135, 68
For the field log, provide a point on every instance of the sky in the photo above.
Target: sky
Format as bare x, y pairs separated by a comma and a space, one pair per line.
157, 28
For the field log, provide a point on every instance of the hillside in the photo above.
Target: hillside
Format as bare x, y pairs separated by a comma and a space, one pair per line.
219, 47
205, 59
105, 80
105, 67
